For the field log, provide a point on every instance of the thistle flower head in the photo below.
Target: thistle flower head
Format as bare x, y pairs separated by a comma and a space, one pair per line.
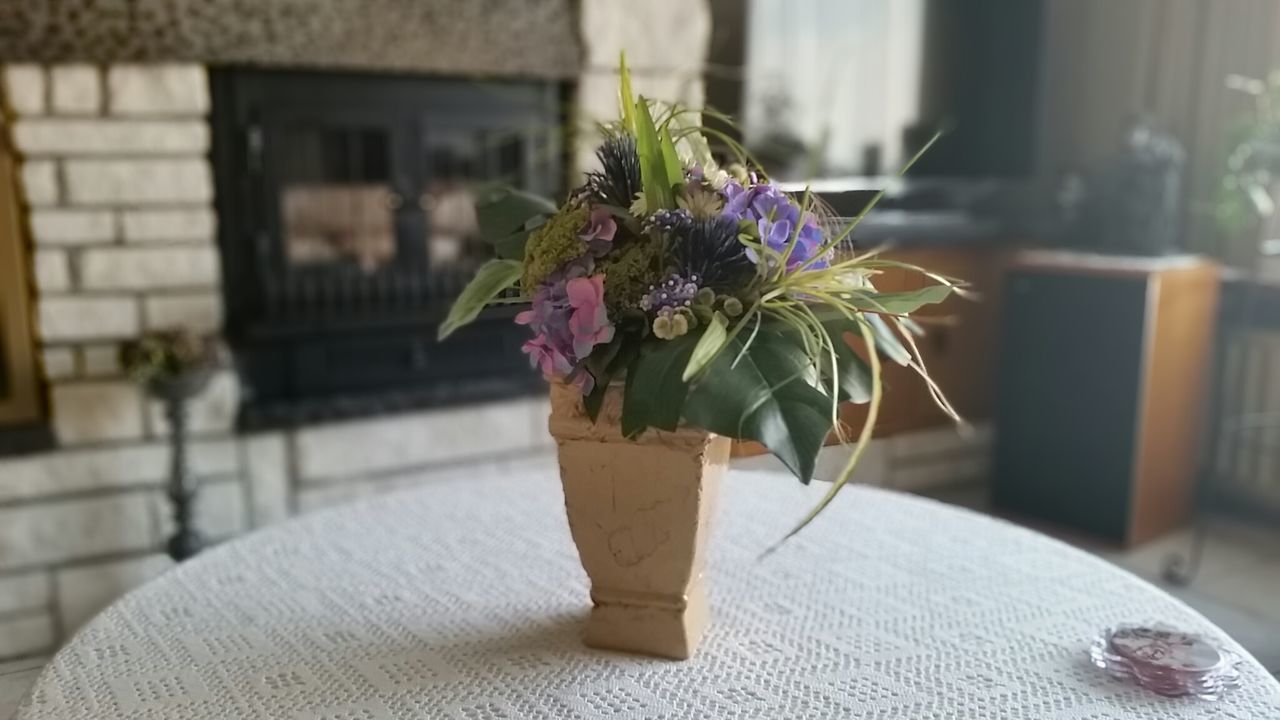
711, 250
618, 180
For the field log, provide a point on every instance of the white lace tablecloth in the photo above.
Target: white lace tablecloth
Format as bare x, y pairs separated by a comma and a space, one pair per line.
464, 599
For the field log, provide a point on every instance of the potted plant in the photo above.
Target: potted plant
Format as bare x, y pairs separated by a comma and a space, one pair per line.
175, 366
674, 306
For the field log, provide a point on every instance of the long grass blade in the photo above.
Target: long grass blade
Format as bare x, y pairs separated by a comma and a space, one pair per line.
625, 98
864, 439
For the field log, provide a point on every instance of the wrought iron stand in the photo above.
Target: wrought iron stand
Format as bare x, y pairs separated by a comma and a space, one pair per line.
176, 393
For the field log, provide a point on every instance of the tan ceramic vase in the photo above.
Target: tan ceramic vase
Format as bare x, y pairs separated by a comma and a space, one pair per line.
640, 512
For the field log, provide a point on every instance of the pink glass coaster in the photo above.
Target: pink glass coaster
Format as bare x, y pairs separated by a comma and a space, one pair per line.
1166, 660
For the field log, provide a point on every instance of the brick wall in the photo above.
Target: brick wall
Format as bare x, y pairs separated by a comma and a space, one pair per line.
118, 193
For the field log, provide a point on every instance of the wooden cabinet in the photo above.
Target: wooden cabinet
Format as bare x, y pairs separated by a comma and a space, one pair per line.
1101, 393
959, 347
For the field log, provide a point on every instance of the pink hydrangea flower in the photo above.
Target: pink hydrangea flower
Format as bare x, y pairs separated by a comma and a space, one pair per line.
568, 319
590, 321
599, 231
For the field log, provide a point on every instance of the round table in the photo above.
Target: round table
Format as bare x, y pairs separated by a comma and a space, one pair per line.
464, 599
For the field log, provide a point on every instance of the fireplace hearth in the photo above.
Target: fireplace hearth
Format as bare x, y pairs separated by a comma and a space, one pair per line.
346, 228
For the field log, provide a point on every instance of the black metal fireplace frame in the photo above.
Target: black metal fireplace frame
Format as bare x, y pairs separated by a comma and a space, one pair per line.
333, 343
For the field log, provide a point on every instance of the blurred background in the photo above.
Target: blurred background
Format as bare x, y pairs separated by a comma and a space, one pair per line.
295, 179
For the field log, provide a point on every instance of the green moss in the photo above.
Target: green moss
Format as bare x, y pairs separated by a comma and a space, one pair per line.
552, 245
628, 273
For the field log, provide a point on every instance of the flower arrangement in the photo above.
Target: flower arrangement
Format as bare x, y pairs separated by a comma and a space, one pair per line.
163, 356
714, 297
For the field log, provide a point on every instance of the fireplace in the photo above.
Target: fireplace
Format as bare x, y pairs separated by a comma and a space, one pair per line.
346, 228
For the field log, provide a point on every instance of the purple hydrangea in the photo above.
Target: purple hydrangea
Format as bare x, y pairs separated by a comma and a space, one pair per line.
568, 319
775, 216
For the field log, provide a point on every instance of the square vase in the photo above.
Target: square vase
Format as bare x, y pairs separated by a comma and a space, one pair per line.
640, 513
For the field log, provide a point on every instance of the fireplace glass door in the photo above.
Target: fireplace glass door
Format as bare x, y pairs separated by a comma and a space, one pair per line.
348, 226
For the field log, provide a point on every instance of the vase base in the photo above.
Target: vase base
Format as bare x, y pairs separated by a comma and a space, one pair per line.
658, 630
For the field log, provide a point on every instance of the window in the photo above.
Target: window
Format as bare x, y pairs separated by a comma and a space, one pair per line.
832, 86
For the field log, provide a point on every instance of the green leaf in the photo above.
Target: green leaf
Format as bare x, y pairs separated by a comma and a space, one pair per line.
852, 372
670, 160
900, 303
713, 340
491, 279
655, 391
653, 168
864, 439
625, 98
766, 397
887, 342
512, 246
508, 210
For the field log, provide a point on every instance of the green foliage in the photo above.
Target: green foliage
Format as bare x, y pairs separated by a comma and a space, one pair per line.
656, 390
507, 217
852, 373
670, 160
887, 342
653, 165
628, 272
552, 245
713, 340
900, 303
625, 98
607, 365
761, 391
490, 281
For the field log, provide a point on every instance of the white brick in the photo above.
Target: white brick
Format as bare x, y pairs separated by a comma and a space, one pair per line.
155, 89
125, 182
40, 182
88, 318
213, 411
25, 87
26, 634
96, 412
201, 312
59, 363
218, 513
72, 227
24, 591
267, 477
53, 271
114, 467
195, 224
84, 591
75, 89
71, 471
145, 268
69, 529
211, 457
414, 440
60, 136
100, 360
